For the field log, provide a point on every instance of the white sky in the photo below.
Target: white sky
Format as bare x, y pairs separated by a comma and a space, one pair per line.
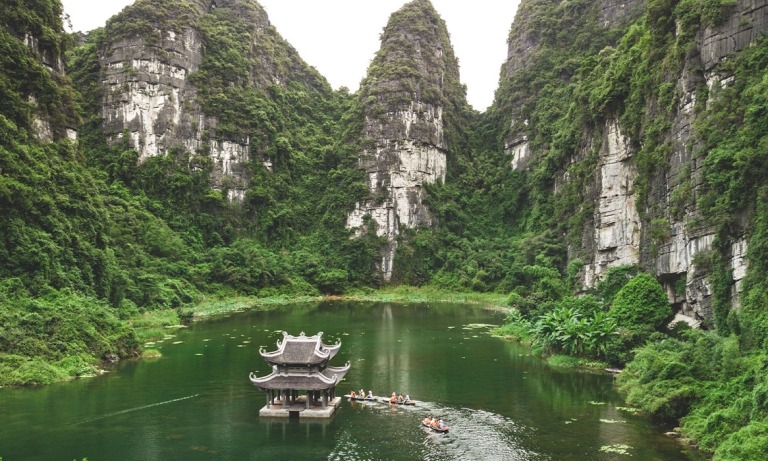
340, 37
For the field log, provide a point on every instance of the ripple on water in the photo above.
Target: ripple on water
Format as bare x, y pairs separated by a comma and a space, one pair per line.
477, 434
395, 433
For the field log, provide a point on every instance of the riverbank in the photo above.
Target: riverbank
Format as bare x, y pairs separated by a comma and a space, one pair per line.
519, 330
116, 336
155, 324
212, 307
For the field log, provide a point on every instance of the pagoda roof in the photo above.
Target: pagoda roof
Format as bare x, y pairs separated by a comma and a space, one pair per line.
287, 379
300, 350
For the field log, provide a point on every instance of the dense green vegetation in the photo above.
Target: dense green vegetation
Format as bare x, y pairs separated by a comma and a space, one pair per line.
709, 379
725, 409
218, 247
92, 239
86, 226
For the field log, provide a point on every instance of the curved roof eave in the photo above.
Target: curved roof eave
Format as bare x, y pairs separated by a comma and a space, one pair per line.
291, 380
322, 352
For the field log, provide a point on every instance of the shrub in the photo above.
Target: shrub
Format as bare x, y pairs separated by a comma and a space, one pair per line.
515, 326
76, 365
659, 379
641, 304
31, 372
614, 280
735, 385
719, 391
576, 326
63, 326
333, 281
750, 443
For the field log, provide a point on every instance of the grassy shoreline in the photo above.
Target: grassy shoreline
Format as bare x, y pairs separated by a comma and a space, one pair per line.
138, 331
212, 307
208, 308
154, 324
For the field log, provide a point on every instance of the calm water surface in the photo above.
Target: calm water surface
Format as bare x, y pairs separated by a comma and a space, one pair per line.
196, 403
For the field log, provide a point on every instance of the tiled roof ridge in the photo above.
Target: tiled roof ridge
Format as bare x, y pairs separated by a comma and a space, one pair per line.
321, 352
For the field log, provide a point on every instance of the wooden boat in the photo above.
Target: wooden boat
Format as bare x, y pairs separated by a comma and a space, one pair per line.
443, 430
410, 402
361, 399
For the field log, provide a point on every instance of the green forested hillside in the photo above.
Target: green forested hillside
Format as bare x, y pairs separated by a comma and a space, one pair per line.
85, 225
714, 381
92, 238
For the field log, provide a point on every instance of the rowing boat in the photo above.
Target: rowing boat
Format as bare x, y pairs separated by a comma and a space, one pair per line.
361, 399
410, 402
443, 430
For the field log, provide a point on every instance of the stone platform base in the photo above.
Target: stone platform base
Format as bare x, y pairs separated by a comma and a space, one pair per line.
300, 410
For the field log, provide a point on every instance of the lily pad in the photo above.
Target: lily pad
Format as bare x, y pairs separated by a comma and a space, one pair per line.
618, 448
629, 409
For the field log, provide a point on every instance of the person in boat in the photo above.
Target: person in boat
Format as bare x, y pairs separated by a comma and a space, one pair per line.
400, 398
426, 421
370, 395
352, 395
393, 399
362, 393
407, 398
441, 424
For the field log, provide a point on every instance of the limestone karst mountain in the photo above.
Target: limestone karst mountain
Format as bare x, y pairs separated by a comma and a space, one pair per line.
603, 138
414, 107
185, 151
175, 75
636, 211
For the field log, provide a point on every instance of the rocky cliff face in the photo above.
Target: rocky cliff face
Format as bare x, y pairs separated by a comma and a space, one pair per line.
617, 225
530, 34
147, 94
44, 128
676, 260
405, 122
665, 236
35, 91
150, 95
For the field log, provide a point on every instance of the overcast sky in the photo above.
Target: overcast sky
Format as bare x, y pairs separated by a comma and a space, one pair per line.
340, 37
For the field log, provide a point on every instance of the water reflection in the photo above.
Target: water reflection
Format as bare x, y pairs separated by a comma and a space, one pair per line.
288, 429
196, 403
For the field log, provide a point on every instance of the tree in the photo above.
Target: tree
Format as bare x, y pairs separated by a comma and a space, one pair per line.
641, 305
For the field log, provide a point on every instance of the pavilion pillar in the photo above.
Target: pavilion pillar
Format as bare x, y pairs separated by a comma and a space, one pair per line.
325, 398
309, 400
284, 395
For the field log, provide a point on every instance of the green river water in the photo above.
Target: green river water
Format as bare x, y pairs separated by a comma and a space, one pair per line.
196, 402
